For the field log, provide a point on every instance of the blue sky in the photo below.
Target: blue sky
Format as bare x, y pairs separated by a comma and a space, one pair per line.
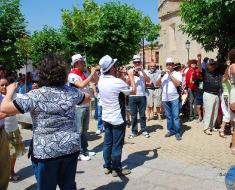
48, 12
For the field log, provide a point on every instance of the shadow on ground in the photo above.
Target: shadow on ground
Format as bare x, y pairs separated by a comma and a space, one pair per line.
154, 128
185, 128
25, 172
32, 187
116, 185
92, 136
139, 158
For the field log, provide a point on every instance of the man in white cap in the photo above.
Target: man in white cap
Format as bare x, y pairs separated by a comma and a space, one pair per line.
79, 78
138, 101
170, 81
112, 94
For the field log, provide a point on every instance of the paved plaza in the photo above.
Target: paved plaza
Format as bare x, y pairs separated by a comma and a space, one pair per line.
198, 162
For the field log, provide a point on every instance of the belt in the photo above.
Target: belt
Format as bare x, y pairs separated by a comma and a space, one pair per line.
215, 93
153, 88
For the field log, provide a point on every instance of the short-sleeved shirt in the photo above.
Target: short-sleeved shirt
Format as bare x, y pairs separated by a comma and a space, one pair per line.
212, 81
112, 94
11, 123
72, 79
140, 85
169, 91
53, 115
153, 76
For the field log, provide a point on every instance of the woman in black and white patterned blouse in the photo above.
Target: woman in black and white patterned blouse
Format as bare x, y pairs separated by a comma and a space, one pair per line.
55, 145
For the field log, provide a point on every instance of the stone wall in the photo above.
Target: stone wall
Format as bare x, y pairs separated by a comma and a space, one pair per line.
172, 40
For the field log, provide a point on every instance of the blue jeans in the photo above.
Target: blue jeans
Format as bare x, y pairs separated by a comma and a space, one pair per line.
100, 122
60, 172
172, 116
137, 104
113, 143
82, 123
230, 179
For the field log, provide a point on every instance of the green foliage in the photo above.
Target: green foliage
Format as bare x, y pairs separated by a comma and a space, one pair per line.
45, 42
111, 28
12, 27
211, 23
153, 33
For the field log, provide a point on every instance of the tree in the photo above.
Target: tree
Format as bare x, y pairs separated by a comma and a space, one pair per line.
46, 41
153, 35
111, 28
12, 27
211, 23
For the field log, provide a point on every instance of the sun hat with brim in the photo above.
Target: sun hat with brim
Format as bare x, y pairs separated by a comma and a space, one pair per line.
76, 58
169, 60
106, 63
136, 58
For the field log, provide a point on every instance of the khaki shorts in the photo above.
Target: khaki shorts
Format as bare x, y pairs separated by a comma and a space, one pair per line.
4, 160
154, 97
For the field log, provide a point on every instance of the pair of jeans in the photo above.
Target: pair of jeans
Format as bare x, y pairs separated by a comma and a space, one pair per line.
171, 109
82, 117
100, 122
96, 109
192, 103
138, 104
113, 143
61, 172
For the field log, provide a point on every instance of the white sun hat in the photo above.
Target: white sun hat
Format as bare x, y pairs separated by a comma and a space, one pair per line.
136, 58
77, 57
169, 60
106, 63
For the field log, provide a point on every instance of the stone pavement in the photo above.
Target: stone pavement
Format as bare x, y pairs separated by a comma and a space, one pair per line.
197, 162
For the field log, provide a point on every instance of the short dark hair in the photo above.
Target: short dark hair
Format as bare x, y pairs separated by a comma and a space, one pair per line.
205, 59
52, 71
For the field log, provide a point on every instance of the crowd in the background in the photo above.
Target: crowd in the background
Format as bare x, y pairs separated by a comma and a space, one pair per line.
59, 104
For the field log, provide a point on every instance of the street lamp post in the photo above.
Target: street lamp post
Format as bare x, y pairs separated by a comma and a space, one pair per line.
187, 43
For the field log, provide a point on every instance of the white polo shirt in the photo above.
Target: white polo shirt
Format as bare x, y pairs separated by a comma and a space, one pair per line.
169, 91
112, 92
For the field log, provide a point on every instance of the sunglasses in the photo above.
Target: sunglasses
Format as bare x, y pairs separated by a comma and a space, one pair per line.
169, 64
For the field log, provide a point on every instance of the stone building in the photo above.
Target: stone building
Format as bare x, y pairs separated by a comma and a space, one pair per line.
172, 40
150, 55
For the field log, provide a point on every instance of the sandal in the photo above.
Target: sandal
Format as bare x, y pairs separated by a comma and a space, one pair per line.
15, 178
221, 134
207, 132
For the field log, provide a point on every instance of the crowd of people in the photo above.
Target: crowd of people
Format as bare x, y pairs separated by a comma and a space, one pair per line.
59, 106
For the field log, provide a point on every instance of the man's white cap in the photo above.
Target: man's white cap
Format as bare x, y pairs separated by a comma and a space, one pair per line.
77, 57
136, 58
169, 60
106, 63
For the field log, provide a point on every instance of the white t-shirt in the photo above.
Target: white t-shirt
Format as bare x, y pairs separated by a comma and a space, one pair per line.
72, 78
169, 91
11, 123
153, 76
140, 85
112, 92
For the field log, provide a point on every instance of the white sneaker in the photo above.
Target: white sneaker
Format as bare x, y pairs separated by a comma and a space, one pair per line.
146, 134
82, 157
90, 153
98, 132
